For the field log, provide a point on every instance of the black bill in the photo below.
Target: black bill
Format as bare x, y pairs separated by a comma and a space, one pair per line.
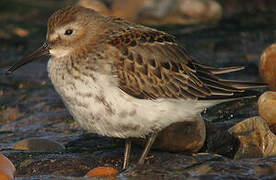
42, 51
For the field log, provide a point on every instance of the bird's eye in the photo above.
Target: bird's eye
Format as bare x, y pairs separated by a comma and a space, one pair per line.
68, 32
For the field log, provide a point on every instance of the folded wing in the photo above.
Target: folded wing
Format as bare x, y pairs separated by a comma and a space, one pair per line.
151, 65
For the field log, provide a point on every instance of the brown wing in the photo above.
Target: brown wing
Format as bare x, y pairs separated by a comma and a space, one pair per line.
151, 65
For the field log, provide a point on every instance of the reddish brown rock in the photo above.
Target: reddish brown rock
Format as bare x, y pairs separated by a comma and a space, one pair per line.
7, 169
103, 172
267, 109
21, 32
267, 66
256, 139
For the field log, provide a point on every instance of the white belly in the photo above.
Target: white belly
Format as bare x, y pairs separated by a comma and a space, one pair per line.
97, 104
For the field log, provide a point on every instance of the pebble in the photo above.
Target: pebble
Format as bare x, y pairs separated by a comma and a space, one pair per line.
7, 169
256, 139
103, 172
267, 109
38, 144
186, 136
267, 66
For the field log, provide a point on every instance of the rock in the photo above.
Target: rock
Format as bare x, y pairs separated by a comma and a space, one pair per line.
38, 144
21, 32
188, 136
219, 140
267, 109
7, 169
267, 66
256, 140
101, 172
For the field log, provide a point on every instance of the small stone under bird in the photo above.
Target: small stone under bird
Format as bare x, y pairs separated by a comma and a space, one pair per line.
121, 79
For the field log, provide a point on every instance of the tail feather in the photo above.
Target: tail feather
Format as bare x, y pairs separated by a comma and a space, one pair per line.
218, 71
244, 85
223, 89
216, 84
211, 101
234, 96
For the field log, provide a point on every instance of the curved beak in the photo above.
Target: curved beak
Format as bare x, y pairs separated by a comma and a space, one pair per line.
42, 51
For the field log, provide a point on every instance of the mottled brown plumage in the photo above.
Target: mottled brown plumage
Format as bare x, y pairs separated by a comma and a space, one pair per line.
150, 65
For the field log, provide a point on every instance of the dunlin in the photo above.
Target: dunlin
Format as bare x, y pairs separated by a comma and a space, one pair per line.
120, 79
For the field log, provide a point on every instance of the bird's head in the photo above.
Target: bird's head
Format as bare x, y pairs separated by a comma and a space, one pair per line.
70, 30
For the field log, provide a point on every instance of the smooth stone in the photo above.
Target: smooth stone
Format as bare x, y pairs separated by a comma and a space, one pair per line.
267, 66
38, 144
186, 136
256, 139
267, 109
7, 169
103, 172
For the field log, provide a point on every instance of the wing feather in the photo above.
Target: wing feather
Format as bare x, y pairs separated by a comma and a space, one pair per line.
154, 66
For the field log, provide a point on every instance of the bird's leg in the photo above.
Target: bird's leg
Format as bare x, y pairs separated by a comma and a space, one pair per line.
127, 153
147, 148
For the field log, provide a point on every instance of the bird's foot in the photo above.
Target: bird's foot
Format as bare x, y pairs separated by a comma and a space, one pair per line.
132, 170
149, 157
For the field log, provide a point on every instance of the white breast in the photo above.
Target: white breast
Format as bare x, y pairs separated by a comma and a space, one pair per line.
97, 104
